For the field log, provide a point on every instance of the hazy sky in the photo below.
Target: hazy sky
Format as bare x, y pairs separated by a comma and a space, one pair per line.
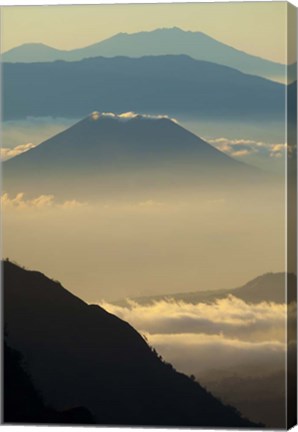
258, 28
116, 247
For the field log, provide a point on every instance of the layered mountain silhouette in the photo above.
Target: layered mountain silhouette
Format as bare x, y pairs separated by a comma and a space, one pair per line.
158, 42
80, 355
104, 153
176, 85
270, 287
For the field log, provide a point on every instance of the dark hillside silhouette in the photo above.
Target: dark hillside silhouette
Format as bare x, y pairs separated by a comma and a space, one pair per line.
80, 355
23, 404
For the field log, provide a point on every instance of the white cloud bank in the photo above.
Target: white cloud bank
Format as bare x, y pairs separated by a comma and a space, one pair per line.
230, 317
200, 354
245, 147
7, 153
228, 335
96, 115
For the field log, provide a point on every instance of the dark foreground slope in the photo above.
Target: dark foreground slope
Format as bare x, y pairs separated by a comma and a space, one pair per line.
80, 355
23, 403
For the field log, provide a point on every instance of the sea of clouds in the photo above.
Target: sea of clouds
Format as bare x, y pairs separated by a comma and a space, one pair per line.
223, 335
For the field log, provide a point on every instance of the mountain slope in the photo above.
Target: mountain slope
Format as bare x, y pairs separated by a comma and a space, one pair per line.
82, 355
158, 42
125, 153
23, 404
269, 287
175, 85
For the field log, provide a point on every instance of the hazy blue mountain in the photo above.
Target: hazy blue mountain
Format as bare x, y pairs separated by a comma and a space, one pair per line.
101, 153
158, 42
80, 355
269, 287
175, 85
32, 52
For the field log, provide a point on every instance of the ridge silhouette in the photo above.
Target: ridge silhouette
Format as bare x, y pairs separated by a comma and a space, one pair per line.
160, 41
269, 287
174, 84
81, 355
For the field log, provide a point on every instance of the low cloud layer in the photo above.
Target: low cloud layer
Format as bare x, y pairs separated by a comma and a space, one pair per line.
228, 335
243, 147
201, 354
33, 130
235, 349
19, 202
230, 318
110, 208
7, 153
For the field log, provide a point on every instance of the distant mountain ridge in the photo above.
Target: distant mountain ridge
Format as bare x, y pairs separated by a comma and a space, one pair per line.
157, 42
80, 355
175, 85
270, 287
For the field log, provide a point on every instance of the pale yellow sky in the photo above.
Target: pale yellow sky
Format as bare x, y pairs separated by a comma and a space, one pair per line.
258, 28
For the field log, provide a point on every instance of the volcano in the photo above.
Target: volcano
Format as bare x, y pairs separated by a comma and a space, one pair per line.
109, 151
